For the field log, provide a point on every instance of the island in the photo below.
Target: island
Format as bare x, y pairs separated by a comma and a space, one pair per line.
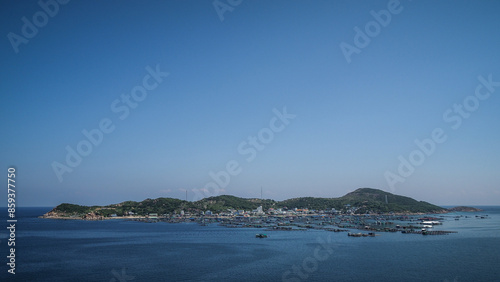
464, 209
365, 209
361, 201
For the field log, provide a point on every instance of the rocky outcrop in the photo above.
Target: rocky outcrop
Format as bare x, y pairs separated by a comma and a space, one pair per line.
464, 209
61, 215
92, 216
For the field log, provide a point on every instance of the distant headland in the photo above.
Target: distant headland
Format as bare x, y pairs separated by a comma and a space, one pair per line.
464, 209
360, 201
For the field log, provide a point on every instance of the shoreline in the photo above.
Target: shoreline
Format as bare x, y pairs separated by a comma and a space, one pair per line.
196, 217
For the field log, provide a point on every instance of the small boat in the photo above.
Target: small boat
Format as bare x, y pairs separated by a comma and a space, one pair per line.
432, 222
260, 236
354, 234
371, 234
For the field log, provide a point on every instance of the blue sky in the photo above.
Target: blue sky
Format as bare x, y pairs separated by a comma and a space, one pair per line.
226, 80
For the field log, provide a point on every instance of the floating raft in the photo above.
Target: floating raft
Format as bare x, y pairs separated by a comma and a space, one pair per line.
336, 230
371, 234
428, 232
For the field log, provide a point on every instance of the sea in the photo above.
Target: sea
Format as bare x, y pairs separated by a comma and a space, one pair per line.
121, 250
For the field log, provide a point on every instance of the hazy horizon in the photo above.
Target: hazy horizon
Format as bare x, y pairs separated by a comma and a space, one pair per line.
125, 100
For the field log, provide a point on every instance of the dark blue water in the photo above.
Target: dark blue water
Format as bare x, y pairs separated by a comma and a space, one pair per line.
118, 250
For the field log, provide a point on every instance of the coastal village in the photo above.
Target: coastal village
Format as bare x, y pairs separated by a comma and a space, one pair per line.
370, 213
345, 220
304, 219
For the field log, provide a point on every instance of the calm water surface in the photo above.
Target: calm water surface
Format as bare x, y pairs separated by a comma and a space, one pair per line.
119, 250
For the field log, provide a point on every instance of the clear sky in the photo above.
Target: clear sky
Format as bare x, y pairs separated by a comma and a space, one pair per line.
358, 89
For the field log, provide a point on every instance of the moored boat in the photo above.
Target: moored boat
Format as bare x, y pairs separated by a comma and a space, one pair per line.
354, 234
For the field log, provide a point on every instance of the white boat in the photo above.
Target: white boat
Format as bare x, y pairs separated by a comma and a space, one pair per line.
431, 222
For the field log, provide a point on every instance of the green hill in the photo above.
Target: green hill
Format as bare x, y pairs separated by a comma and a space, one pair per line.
159, 205
360, 201
375, 200
224, 202
312, 203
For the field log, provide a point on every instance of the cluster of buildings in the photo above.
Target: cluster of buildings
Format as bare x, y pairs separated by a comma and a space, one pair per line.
257, 212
